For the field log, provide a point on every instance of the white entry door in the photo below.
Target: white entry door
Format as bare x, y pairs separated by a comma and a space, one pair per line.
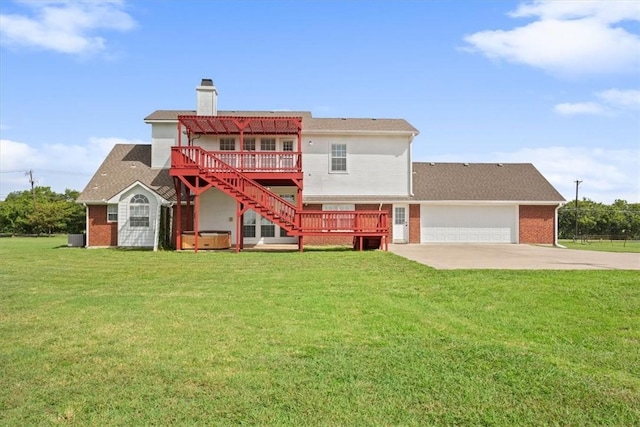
400, 224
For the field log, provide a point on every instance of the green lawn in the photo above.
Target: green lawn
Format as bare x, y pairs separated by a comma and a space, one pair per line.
109, 337
603, 245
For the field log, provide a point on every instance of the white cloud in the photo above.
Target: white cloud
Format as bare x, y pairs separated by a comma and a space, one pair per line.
568, 38
65, 26
576, 108
606, 175
57, 166
616, 100
607, 11
624, 98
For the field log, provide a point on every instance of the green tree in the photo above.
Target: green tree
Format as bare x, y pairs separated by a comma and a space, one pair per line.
43, 211
620, 219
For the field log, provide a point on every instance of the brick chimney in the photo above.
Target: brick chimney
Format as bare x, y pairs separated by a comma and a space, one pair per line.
207, 98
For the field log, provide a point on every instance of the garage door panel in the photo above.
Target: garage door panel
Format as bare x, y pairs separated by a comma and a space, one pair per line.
474, 224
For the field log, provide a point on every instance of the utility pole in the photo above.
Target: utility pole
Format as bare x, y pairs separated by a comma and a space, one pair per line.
33, 191
575, 235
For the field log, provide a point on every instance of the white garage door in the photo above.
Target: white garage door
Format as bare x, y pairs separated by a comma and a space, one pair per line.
468, 224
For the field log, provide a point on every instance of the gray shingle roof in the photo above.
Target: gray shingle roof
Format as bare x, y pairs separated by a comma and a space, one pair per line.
309, 123
482, 181
126, 164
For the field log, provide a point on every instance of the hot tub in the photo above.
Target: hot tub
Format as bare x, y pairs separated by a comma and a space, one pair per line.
207, 239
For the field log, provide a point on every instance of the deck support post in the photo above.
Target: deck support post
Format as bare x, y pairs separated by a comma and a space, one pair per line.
238, 226
178, 228
196, 225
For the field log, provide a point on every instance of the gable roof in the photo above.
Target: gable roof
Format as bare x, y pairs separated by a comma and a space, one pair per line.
124, 165
481, 181
309, 123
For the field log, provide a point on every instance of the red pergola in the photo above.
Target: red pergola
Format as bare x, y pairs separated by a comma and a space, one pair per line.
230, 125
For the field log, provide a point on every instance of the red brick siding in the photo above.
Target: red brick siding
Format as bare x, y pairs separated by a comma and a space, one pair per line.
537, 224
340, 240
414, 223
101, 232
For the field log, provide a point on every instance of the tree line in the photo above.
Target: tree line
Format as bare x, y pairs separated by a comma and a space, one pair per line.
42, 211
619, 220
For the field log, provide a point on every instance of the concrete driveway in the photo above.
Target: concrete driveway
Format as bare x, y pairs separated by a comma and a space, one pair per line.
514, 257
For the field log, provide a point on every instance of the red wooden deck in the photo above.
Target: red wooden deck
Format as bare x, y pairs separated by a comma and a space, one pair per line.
237, 173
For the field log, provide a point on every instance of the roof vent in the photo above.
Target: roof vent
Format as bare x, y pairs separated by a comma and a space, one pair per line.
432, 164
206, 82
500, 165
466, 164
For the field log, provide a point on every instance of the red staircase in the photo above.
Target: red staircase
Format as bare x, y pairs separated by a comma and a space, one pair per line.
237, 185
364, 226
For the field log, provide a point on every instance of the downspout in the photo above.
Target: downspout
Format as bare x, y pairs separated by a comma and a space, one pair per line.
156, 233
555, 229
410, 168
86, 219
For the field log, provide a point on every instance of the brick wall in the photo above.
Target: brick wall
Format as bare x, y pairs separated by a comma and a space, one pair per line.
537, 224
341, 240
101, 232
414, 223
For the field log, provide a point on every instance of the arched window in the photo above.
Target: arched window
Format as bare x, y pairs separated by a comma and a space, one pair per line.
139, 211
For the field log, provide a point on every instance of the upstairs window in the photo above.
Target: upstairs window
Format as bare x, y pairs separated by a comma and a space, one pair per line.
112, 213
338, 158
287, 145
227, 144
249, 144
139, 211
267, 144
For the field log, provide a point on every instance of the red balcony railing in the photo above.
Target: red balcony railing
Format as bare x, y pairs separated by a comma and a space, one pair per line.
247, 161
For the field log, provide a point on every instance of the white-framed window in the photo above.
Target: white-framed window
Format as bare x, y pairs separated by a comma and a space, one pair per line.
112, 213
267, 144
267, 228
227, 144
338, 221
249, 227
139, 211
288, 160
338, 158
399, 215
287, 145
249, 144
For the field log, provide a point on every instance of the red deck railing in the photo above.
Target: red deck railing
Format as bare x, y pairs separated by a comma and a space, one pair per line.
345, 222
245, 161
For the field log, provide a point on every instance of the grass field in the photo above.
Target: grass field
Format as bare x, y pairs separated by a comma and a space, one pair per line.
603, 245
110, 337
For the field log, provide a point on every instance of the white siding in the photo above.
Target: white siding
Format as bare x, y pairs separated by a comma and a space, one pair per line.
136, 236
376, 165
217, 212
163, 137
468, 224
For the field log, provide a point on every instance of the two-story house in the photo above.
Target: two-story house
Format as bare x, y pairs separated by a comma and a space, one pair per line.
252, 177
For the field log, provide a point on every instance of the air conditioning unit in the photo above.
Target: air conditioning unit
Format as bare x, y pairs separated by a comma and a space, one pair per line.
76, 240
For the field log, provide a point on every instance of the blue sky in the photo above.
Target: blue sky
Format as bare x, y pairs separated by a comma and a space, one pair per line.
554, 83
